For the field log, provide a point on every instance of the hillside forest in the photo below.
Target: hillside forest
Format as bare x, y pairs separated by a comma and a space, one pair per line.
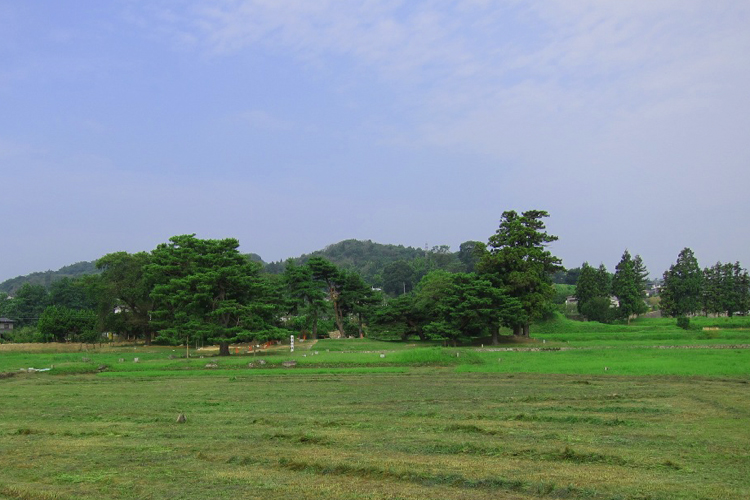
198, 291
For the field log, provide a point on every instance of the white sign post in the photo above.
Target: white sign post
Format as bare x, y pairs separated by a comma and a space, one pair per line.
292, 344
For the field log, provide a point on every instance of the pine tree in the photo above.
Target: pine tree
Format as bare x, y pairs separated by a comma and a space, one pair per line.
683, 286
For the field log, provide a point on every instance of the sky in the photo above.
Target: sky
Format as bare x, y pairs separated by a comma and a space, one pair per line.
294, 124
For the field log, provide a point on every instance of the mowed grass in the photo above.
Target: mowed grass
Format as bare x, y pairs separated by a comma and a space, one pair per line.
610, 413
427, 433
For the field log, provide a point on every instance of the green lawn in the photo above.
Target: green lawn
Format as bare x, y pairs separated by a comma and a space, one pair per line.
428, 433
612, 414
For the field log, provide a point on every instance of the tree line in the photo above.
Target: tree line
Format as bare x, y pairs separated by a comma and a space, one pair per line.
685, 289
191, 289
205, 291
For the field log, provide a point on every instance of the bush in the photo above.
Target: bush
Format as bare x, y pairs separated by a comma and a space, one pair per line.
26, 335
598, 309
683, 322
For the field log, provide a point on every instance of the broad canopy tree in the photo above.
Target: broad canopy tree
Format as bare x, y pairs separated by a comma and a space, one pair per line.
206, 288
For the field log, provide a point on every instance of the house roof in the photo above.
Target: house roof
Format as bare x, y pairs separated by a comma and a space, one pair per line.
6, 320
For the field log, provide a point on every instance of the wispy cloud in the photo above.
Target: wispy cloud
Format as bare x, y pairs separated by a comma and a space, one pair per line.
264, 120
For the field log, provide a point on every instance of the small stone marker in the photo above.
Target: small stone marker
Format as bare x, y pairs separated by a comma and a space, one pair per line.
136, 360
261, 362
181, 418
289, 364
251, 365
121, 360
212, 365
382, 355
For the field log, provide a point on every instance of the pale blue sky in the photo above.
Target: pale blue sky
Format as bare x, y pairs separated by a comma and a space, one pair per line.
293, 124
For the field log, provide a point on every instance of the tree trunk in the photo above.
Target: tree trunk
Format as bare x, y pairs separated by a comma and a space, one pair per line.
339, 317
517, 330
526, 330
495, 335
223, 348
147, 337
315, 328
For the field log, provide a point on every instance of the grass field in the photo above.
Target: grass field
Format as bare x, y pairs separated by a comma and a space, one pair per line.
376, 420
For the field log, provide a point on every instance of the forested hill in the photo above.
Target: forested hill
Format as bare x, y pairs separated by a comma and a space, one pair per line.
45, 278
365, 257
377, 263
390, 266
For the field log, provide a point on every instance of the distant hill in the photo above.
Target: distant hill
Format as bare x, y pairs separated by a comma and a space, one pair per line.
45, 278
366, 257
369, 259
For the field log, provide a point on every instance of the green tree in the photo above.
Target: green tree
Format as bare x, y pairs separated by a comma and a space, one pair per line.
71, 293
683, 286
206, 288
26, 307
60, 323
402, 316
125, 299
358, 299
469, 253
518, 262
328, 274
398, 278
641, 275
592, 292
725, 289
628, 286
305, 297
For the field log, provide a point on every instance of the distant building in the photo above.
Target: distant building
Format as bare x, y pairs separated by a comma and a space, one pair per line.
6, 325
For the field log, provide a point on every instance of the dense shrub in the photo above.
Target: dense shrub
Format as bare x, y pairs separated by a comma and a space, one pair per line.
683, 322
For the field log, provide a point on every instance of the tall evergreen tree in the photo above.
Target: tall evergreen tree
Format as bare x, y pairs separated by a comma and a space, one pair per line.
628, 284
683, 286
518, 262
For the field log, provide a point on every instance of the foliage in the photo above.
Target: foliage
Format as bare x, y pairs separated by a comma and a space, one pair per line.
726, 289
207, 289
305, 298
518, 262
125, 303
27, 305
628, 285
72, 293
598, 309
398, 278
61, 324
47, 278
566, 276
470, 253
683, 286
592, 291
24, 335
683, 322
